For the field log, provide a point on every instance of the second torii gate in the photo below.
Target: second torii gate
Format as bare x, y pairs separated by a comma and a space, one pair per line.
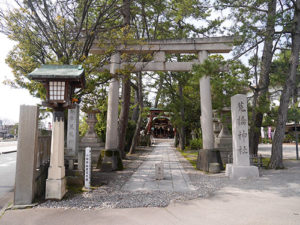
159, 48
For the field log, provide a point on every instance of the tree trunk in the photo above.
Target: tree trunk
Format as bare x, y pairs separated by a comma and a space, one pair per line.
276, 157
182, 127
124, 114
135, 113
264, 79
139, 122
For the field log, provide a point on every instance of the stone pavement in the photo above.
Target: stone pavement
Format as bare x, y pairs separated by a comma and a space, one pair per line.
175, 177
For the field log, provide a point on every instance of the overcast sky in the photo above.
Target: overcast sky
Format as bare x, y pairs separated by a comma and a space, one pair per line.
10, 98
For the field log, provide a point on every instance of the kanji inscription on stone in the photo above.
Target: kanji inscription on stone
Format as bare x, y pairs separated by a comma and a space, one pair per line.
240, 135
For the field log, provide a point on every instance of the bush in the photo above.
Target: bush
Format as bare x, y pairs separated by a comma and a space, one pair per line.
196, 144
289, 138
266, 141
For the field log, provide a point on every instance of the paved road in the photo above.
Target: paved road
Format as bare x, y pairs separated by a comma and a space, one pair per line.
289, 150
8, 146
7, 170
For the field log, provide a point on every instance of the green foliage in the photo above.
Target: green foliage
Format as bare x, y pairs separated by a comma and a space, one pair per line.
227, 79
266, 141
196, 144
83, 126
191, 156
289, 138
100, 127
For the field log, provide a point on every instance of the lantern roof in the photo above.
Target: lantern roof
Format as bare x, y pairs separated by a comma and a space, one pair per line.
73, 73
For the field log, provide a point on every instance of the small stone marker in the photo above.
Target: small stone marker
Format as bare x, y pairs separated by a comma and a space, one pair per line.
159, 171
240, 141
88, 168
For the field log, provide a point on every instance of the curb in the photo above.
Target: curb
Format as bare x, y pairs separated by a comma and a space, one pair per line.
12, 151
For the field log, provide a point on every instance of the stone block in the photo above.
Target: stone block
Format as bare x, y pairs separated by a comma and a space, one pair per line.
159, 171
214, 168
26, 155
207, 156
55, 189
112, 161
228, 169
243, 172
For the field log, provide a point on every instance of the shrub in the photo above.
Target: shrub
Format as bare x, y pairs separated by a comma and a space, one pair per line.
289, 138
196, 144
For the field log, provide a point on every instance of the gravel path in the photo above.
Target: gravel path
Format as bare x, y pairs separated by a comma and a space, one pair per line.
110, 195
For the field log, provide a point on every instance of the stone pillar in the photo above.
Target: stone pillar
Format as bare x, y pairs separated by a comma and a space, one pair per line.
112, 159
111, 141
71, 152
56, 182
26, 155
206, 108
208, 157
241, 163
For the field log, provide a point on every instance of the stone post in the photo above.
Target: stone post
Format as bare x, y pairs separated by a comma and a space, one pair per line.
206, 108
111, 141
56, 182
208, 157
71, 152
26, 155
112, 159
241, 163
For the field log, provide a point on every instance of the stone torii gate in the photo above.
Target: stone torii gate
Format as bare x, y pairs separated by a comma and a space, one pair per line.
159, 48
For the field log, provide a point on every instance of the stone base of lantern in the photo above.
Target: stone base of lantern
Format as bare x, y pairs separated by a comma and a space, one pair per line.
55, 188
111, 161
241, 172
207, 157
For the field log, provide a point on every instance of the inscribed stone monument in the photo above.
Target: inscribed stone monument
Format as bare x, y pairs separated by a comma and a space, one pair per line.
241, 164
26, 155
71, 152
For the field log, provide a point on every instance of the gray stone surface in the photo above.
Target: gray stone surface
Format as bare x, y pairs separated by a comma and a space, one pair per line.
56, 183
188, 45
91, 140
26, 156
175, 177
206, 108
73, 133
208, 156
241, 163
111, 141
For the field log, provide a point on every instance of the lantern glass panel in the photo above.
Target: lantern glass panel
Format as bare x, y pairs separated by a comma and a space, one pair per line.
57, 90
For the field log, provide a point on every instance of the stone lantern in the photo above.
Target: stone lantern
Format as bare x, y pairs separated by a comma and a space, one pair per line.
60, 82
